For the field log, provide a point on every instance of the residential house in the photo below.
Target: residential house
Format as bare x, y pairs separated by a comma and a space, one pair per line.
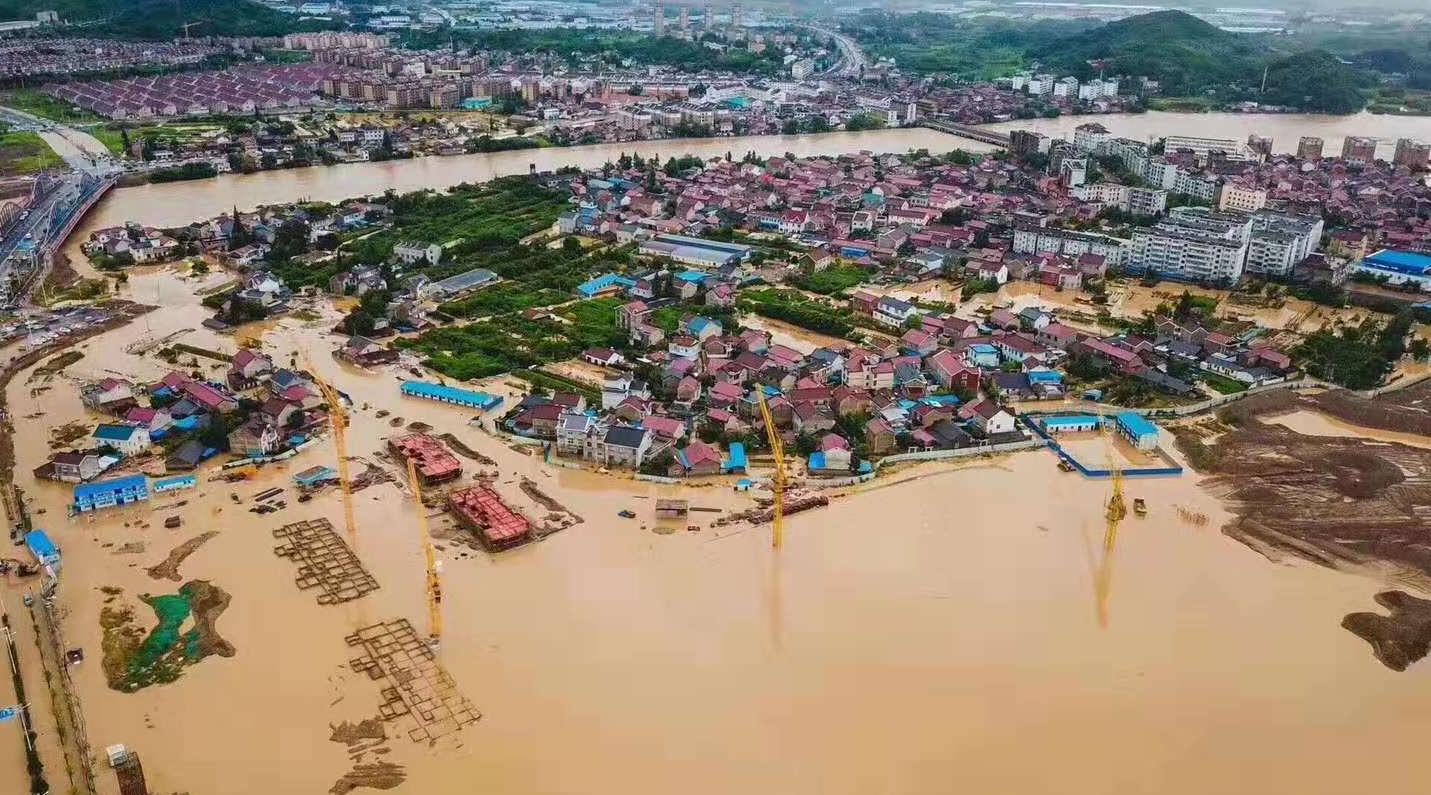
989, 417
879, 437
603, 357
109, 395
255, 437
695, 460
127, 440
366, 352
247, 368
952, 372
73, 466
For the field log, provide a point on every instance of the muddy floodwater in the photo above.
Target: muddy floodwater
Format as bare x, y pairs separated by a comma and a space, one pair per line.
175, 203
933, 631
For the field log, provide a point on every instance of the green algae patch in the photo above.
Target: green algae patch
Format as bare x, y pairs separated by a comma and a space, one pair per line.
184, 635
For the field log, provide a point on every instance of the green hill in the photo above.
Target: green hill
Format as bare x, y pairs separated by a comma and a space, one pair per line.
161, 19
1177, 49
1316, 80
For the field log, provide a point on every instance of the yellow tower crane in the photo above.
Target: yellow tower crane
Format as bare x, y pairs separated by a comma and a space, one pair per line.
434, 584
1116, 510
338, 417
778, 486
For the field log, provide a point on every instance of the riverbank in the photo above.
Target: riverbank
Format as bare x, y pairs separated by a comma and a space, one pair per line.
178, 203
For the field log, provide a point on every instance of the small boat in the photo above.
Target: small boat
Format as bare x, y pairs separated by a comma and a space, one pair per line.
627, 514
1140, 507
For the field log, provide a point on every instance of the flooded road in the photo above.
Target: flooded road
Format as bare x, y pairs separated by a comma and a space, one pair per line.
939, 633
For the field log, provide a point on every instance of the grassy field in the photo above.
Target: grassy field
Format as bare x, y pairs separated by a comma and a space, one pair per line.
111, 139
1183, 104
1223, 385
45, 106
26, 153
1400, 101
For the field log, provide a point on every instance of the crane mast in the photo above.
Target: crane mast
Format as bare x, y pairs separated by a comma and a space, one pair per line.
338, 418
779, 482
434, 584
1116, 510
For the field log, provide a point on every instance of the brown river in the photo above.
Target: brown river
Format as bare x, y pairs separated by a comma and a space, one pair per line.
933, 631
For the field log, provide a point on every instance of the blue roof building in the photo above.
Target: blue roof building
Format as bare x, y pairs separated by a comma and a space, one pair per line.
1398, 267
1071, 423
606, 283
449, 394
699, 325
127, 439
736, 463
982, 354
174, 483
1138, 430
42, 548
314, 476
110, 493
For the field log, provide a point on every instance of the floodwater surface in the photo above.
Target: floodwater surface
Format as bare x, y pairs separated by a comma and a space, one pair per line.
933, 635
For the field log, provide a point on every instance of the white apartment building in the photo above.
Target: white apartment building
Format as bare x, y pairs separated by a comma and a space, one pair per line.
1128, 198
1091, 137
1241, 198
1158, 173
1198, 187
1073, 171
1095, 89
1038, 240
1202, 146
1193, 243
1280, 241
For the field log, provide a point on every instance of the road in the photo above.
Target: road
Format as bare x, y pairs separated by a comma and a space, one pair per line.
852, 58
58, 196
82, 151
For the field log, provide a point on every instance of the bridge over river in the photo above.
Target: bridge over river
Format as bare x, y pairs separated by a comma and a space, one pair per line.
967, 131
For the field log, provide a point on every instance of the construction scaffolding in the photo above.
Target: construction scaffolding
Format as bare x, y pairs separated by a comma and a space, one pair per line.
419, 696
324, 561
